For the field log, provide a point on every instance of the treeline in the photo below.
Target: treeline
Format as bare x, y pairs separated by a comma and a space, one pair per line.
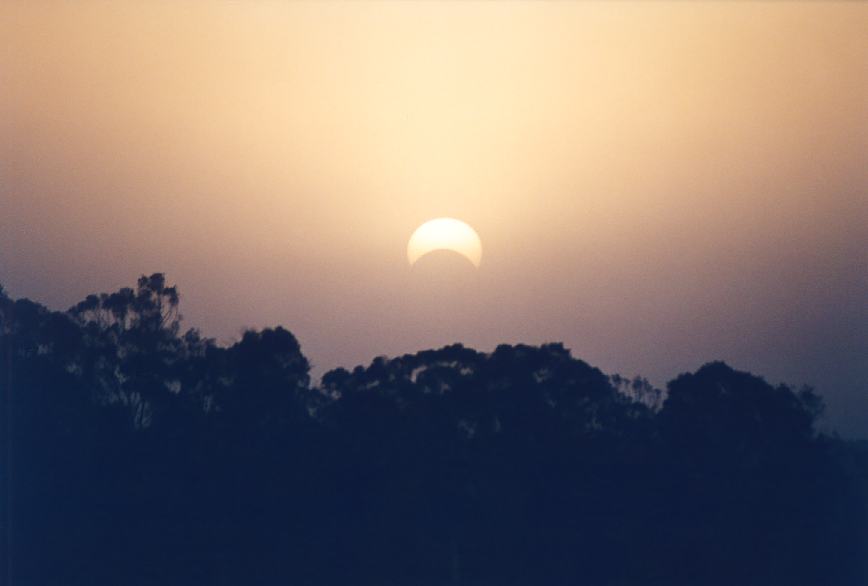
138, 454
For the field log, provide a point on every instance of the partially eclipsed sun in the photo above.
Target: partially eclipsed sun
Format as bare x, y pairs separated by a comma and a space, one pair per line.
445, 234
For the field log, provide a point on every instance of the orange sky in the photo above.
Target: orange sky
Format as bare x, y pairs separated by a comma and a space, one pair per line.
656, 184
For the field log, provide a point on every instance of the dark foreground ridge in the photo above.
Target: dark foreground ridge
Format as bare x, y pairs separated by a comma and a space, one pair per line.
136, 454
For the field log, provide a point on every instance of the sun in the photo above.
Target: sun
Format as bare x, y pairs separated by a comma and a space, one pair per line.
445, 234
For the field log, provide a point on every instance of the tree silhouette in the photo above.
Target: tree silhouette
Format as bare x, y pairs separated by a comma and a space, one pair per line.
138, 453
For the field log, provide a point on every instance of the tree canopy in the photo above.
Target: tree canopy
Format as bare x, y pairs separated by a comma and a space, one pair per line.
137, 453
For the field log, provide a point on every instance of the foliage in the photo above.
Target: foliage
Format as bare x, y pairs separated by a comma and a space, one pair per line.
138, 454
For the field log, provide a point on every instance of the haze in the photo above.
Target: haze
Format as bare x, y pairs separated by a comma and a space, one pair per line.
657, 184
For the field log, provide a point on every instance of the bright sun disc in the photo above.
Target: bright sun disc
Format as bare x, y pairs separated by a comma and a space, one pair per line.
445, 234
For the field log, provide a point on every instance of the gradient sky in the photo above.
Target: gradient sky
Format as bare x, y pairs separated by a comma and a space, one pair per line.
655, 184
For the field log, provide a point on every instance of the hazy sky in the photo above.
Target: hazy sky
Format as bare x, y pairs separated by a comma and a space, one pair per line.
655, 184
